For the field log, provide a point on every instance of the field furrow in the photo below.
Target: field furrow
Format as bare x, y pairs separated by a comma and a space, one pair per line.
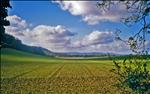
71, 70
17, 71
60, 79
54, 73
24, 73
88, 70
42, 72
99, 70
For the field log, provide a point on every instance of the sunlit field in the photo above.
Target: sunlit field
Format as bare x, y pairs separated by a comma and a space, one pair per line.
75, 47
23, 73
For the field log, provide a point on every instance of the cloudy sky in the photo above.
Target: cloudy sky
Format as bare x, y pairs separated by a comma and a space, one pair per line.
69, 26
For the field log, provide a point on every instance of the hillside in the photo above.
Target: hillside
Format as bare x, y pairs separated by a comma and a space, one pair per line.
14, 52
13, 55
11, 42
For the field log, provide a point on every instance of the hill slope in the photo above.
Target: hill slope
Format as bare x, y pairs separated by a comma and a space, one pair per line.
11, 42
14, 52
12, 55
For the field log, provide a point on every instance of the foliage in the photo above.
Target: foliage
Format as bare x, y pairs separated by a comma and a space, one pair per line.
3, 21
138, 13
133, 75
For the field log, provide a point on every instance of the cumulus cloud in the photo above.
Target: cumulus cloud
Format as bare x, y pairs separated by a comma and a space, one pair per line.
50, 37
98, 41
54, 35
59, 38
17, 21
95, 38
91, 13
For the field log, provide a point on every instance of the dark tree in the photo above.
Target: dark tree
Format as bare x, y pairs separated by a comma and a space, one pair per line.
139, 13
132, 73
4, 4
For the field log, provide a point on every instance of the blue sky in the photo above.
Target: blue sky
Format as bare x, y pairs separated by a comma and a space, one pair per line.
83, 26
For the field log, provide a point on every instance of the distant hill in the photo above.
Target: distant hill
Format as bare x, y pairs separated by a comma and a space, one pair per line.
14, 52
9, 55
84, 54
11, 42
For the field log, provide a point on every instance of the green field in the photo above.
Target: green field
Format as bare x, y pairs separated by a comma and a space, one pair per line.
24, 73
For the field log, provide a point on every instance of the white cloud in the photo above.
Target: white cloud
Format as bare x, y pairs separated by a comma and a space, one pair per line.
97, 37
77, 7
95, 19
98, 41
92, 39
54, 35
50, 37
59, 38
91, 13
17, 21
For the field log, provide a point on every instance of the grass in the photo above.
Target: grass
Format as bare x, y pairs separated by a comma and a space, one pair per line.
24, 73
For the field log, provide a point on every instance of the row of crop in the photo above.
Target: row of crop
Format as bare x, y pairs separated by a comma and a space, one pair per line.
13, 71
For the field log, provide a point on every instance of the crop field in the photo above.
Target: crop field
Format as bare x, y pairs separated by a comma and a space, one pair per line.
31, 74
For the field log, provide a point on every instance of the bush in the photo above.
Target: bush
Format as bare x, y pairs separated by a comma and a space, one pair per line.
133, 75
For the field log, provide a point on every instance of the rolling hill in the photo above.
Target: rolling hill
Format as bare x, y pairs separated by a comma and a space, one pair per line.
11, 42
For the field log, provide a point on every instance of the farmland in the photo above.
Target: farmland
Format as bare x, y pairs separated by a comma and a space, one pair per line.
24, 73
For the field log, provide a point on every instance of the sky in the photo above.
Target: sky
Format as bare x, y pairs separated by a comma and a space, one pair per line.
69, 26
